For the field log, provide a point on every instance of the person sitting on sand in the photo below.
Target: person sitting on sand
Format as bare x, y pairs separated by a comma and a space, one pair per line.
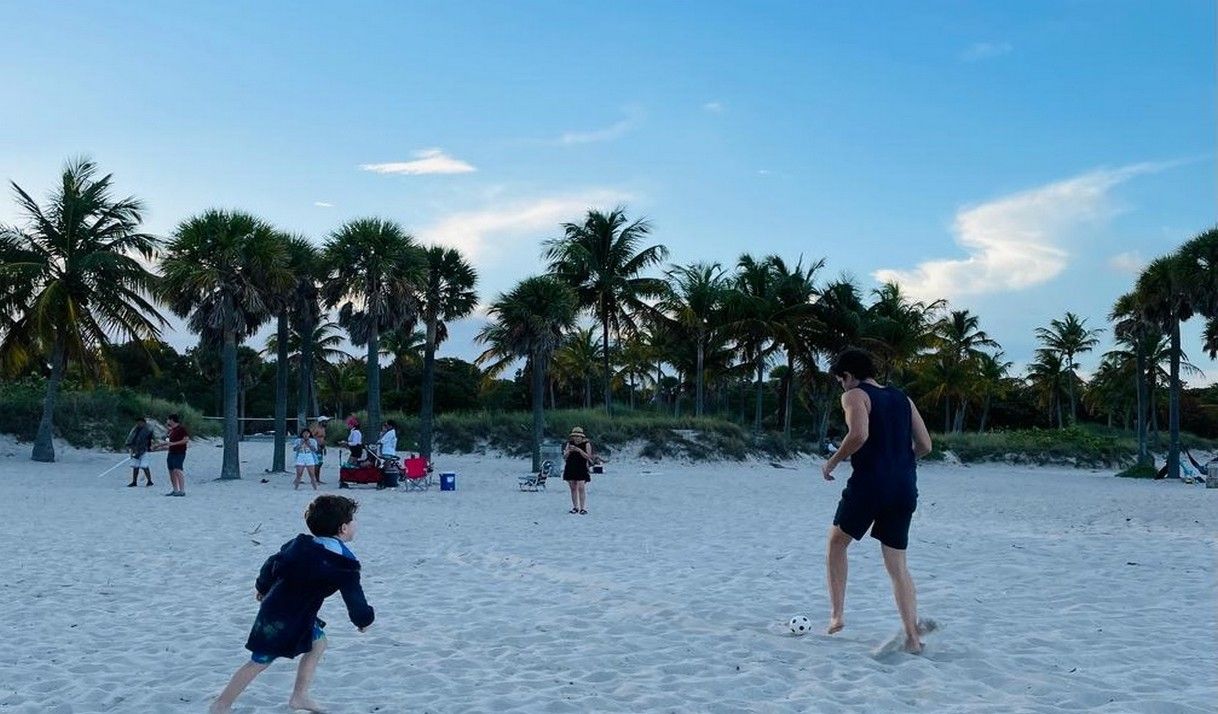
291, 586
885, 437
305, 448
577, 455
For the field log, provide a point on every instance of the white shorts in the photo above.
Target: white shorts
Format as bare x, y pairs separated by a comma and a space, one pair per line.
141, 462
305, 460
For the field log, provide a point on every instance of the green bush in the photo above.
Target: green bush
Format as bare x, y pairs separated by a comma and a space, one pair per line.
1077, 445
100, 417
1139, 471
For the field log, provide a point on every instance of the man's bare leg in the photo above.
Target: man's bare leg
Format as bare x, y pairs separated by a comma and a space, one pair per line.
904, 593
241, 679
836, 566
304, 678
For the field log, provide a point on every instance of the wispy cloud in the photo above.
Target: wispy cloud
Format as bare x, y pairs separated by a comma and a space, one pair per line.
494, 231
1017, 241
634, 117
985, 50
426, 161
323, 204
713, 107
1130, 262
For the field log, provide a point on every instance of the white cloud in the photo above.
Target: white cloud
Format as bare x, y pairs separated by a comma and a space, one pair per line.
426, 161
323, 204
1130, 262
985, 50
633, 118
494, 231
713, 107
1017, 241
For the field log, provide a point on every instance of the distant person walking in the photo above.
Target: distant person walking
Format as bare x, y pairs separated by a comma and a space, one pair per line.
139, 443
577, 471
175, 460
389, 439
305, 448
318, 429
885, 436
354, 440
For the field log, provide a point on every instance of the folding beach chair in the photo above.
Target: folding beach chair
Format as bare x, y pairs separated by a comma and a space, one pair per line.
415, 474
537, 481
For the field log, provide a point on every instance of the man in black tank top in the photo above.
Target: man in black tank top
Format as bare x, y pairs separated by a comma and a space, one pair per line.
886, 435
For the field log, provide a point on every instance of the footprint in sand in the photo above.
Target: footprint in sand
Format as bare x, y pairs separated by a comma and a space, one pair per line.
896, 645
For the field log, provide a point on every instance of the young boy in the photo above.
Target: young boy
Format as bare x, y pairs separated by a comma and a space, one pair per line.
291, 586
139, 441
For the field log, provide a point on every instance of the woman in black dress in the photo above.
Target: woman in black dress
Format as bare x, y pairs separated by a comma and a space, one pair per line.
577, 455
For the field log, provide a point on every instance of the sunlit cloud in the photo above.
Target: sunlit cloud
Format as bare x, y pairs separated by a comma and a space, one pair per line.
616, 130
713, 107
323, 204
426, 161
1130, 262
1017, 241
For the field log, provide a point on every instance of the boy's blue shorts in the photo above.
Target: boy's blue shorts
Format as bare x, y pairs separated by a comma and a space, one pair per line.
257, 658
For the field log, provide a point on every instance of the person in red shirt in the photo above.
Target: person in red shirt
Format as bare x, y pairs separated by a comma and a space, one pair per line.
175, 444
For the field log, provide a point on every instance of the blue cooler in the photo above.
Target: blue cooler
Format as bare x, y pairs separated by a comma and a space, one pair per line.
448, 481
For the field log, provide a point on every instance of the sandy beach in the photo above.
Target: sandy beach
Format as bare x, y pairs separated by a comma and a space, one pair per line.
1055, 590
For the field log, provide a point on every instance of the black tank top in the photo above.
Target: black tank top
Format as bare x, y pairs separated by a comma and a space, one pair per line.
885, 467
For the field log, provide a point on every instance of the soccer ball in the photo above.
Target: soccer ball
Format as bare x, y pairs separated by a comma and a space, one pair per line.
800, 625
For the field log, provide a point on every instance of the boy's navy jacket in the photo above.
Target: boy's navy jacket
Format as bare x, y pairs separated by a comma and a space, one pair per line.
294, 582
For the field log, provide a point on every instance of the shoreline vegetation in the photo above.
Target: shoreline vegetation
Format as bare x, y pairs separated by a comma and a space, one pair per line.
101, 418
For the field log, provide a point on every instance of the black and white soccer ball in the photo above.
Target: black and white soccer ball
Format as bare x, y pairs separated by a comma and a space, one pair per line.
800, 625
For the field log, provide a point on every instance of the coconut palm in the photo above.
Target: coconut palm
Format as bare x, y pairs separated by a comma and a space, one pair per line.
446, 293
602, 259
221, 271
1164, 295
794, 294
373, 272
577, 358
1070, 337
1132, 330
694, 300
751, 311
529, 323
897, 329
1047, 376
1209, 338
71, 280
404, 347
993, 381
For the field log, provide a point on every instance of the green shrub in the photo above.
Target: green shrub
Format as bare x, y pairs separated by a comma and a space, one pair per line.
1139, 471
100, 417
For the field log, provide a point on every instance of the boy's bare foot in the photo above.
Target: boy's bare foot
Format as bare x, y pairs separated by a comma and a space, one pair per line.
305, 704
835, 625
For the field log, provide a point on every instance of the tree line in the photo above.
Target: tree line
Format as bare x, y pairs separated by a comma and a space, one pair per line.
748, 340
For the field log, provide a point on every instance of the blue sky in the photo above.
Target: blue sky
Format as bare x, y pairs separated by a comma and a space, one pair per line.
1022, 159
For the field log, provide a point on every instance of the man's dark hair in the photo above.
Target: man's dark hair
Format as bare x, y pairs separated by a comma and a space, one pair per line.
855, 361
391, 423
140, 418
175, 418
326, 515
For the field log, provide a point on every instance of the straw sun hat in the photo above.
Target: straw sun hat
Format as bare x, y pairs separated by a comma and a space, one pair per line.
578, 434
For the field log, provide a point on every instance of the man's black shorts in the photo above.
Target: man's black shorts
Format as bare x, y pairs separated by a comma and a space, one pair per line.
889, 523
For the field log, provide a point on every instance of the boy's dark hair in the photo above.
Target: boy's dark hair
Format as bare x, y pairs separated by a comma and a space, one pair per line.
327, 514
176, 419
140, 418
391, 423
855, 361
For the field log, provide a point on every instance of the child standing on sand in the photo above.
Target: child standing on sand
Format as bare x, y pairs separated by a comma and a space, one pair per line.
291, 586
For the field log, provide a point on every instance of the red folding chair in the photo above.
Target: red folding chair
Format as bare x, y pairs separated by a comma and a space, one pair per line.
416, 474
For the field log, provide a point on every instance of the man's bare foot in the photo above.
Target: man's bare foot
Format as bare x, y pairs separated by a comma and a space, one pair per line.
912, 646
835, 625
218, 707
305, 704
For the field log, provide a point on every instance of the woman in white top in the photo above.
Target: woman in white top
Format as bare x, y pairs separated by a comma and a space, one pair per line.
389, 439
354, 440
305, 447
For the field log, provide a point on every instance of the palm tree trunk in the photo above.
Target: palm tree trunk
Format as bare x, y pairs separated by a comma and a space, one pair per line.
538, 375
757, 398
947, 414
587, 392
985, 414
1070, 376
1143, 447
281, 394
374, 376
306, 388
790, 396
605, 360
699, 404
231, 466
1173, 405
44, 442
427, 409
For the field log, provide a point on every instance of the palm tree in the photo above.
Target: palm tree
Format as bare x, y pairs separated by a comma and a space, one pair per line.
1070, 337
71, 280
530, 322
447, 293
751, 310
577, 358
602, 260
694, 300
302, 258
993, 381
897, 329
794, 295
373, 269
221, 271
1130, 329
1046, 373
405, 347
1163, 291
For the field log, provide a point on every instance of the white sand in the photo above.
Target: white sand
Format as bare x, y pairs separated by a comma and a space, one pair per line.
1056, 590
